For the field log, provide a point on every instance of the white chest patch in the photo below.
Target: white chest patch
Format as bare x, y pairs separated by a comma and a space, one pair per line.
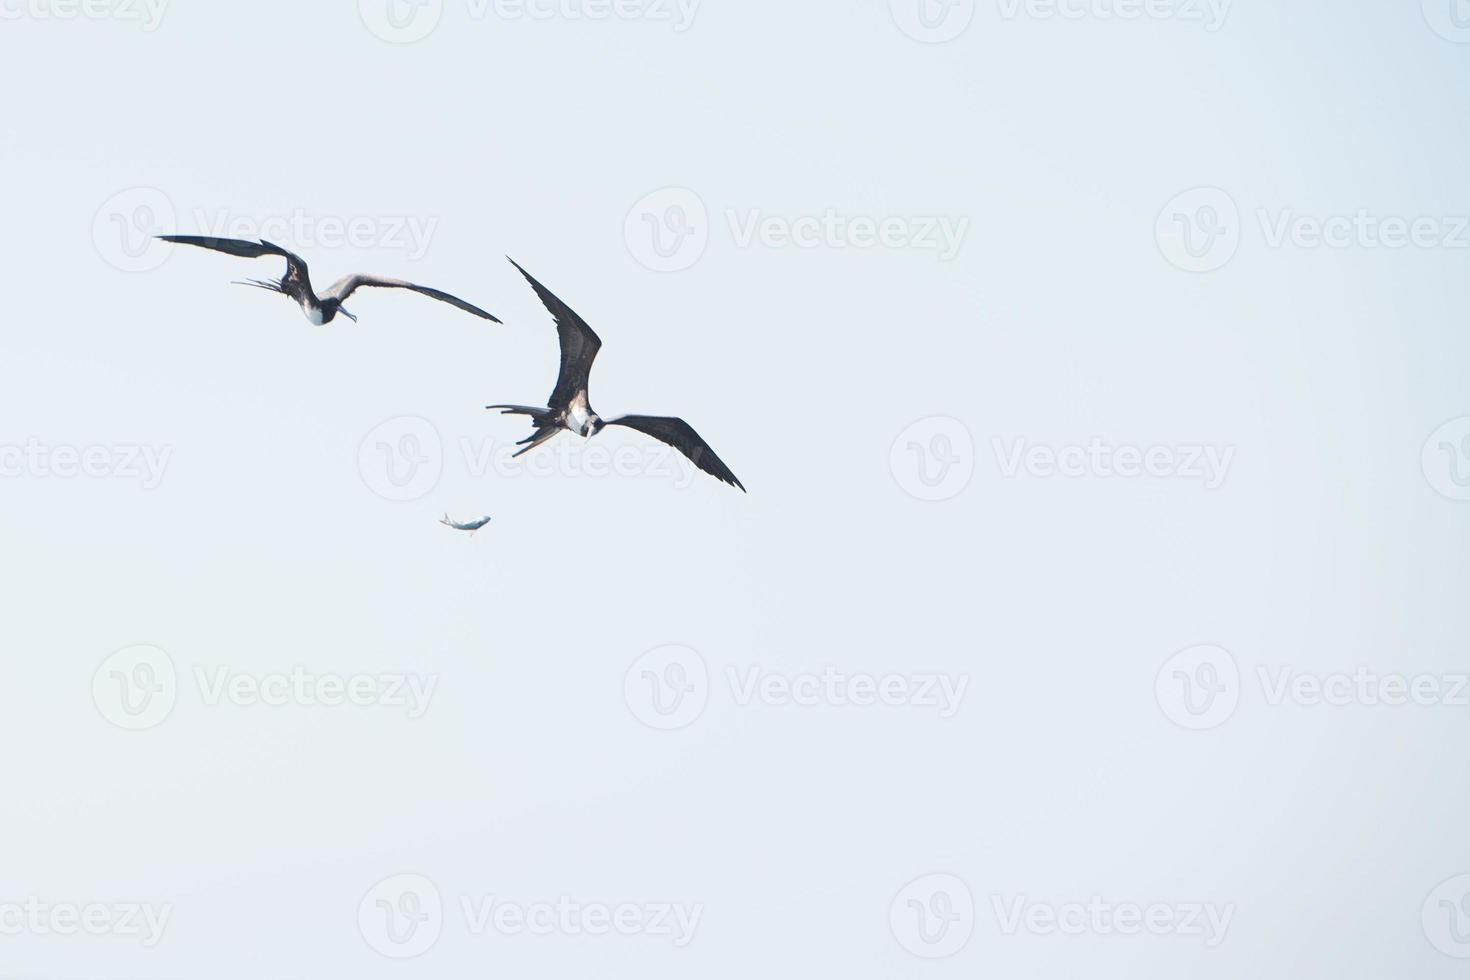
578, 415
313, 313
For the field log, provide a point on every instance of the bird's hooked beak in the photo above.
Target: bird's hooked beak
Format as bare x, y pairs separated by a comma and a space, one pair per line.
346, 314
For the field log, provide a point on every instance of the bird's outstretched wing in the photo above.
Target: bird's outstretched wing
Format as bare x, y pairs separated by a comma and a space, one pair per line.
345, 287
579, 345
296, 276
681, 435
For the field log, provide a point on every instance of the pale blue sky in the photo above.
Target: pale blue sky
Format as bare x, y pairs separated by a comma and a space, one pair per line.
1051, 147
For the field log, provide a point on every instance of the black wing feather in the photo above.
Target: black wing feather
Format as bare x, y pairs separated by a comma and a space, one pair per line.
681, 435
343, 288
455, 301
579, 345
296, 276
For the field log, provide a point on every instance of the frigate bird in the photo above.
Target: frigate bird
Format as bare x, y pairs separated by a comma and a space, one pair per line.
569, 409
296, 283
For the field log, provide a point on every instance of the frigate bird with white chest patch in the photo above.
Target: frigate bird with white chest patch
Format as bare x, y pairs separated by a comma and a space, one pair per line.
296, 283
569, 409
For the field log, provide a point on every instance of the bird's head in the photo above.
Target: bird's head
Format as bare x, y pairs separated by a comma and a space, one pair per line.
594, 426
332, 307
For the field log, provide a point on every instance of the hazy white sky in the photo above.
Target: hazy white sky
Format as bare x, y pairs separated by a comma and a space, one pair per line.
1097, 371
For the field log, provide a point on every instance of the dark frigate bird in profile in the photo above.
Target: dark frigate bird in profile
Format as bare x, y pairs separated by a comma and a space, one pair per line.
296, 283
569, 408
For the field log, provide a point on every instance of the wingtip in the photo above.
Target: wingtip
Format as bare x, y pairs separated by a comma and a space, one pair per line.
521, 269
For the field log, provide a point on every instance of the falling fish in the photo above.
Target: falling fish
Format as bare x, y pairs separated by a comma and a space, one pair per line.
471, 526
